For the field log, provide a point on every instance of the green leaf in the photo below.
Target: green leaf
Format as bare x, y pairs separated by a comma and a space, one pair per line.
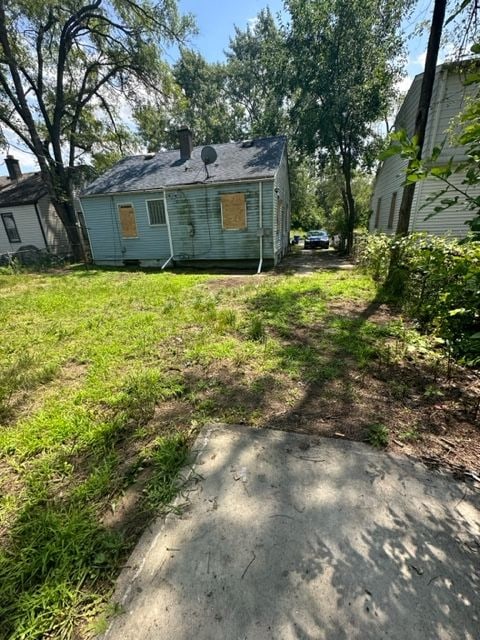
393, 150
415, 177
444, 172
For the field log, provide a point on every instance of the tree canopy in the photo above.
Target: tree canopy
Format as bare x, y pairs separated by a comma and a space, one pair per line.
87, 82
356, 46
64, 66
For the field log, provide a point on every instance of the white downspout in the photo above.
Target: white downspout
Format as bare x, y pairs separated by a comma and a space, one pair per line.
169, 231
260, 223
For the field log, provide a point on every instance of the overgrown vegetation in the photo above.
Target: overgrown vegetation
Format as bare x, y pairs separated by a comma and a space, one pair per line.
105, 376
437, 283
88, 359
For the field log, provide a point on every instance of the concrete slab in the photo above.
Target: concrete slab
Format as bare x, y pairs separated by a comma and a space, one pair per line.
286, 537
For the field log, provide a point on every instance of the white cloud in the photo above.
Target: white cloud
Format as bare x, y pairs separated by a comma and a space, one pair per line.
404, 84
420, 60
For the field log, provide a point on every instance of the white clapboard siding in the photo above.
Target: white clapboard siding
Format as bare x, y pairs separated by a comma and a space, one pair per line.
450, 96
28, 227
54, 230
281, 210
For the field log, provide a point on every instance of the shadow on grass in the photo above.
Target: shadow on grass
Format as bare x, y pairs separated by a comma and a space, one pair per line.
66, 542
62, 556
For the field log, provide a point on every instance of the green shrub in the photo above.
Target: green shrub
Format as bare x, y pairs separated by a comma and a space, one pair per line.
437, 283
377, 435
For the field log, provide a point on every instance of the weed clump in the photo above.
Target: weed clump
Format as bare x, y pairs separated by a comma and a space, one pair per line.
377, 435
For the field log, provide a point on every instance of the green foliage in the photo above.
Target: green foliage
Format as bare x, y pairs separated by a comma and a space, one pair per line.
66, 71
220, 102
168, 455
345, 59
440, 281
377, 435
306, 211
329, 194
256, 329
257, 77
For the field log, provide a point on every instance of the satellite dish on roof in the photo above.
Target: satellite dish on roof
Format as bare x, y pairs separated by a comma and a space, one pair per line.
208, 155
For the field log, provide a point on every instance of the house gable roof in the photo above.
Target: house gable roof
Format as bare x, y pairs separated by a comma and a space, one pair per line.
28, 189
236, 161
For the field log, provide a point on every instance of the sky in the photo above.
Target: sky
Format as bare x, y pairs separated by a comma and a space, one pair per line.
216, 22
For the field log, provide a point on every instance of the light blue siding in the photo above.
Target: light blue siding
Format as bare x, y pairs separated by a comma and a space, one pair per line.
196, 226
196, 223
103, 225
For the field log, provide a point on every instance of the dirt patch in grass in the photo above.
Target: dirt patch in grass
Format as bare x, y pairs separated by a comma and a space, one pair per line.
218, 284
430, 409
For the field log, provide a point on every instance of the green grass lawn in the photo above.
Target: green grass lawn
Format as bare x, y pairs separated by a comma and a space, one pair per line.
105, 377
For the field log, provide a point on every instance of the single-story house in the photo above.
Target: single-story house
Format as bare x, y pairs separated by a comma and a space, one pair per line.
28, 218
172, 207
450, 96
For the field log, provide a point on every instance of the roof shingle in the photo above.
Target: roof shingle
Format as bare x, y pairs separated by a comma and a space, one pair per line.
235, 161
26, 190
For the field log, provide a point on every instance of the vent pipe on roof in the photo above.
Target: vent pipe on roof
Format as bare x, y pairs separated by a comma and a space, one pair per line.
13, 167
186, 143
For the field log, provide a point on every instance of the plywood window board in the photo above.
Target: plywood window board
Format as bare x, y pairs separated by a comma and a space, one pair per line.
128, 223
234, 211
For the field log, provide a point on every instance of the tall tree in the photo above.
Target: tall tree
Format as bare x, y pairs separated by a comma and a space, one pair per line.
345, 58
209, 108
63, 68
256, 77
421, 119
199, 99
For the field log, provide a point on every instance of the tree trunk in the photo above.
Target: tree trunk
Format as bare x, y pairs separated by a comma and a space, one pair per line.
350, 205
423, 108
66, 213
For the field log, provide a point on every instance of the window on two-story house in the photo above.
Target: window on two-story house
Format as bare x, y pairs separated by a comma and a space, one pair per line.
377, 215
393, 203
10, 227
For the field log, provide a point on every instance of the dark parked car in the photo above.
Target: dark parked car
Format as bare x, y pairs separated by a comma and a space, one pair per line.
316, 240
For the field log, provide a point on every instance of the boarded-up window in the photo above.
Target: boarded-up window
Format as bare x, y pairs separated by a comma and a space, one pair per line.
392, 210
234, 211
127, 220
156, 212
377, 215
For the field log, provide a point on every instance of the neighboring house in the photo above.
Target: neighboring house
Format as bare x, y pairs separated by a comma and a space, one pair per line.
154, 209
449, 98
28, 218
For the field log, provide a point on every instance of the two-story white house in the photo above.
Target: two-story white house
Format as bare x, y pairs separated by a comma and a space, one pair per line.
450, 96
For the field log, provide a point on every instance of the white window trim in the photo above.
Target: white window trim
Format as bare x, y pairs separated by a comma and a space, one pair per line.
245, 228
160, 224
127, 204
